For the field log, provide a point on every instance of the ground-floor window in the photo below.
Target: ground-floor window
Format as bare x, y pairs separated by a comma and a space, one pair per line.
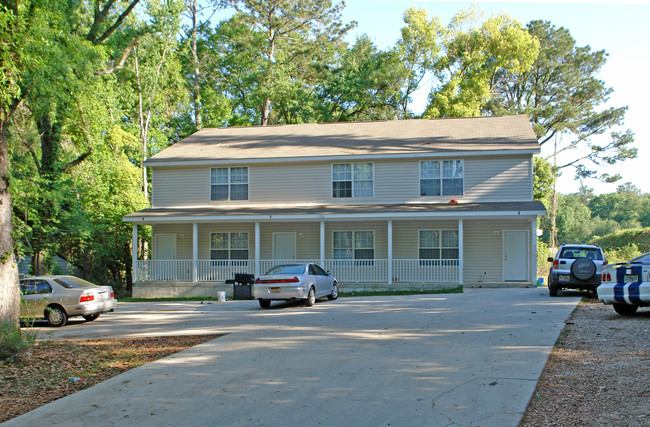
228, 247
438, 245
354, 245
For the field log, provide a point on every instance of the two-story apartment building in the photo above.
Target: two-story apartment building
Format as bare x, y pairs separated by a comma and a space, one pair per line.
392, 203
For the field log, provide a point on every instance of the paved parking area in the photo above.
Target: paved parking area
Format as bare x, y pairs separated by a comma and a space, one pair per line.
459, 359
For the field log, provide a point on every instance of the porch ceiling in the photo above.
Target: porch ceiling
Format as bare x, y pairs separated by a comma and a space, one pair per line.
339, 212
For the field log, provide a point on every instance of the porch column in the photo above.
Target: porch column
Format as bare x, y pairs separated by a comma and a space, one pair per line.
257, 249
390, 251
195, 251
134, 275
322, 245
533, 246
461, 255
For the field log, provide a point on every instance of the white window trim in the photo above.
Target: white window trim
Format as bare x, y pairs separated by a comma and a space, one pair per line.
352, 180
441, 177
440, 241
248, 245
374, 250
229, 184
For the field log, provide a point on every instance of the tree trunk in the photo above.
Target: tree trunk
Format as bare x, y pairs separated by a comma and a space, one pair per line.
198, 119
265, 112
9, 290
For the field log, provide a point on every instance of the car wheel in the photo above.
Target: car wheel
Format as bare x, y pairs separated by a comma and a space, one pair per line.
552, 289
91, 317
625, 309
265, 303
56, 315
311, 297
583, 269
335, 292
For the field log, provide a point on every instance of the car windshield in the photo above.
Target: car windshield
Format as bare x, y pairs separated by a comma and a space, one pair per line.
642, 258
575, 253
73, 282
287, 269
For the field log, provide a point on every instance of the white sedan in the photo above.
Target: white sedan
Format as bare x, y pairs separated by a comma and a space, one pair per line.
627, 285
57, 298
295, 282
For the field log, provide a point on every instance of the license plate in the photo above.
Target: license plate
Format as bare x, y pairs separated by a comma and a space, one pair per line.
565, 277
631, 278
275, 290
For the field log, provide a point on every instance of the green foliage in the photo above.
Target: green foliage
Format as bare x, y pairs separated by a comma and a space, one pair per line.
637, 240
564, 99
543, 181
543, 252
13, 340
473, 58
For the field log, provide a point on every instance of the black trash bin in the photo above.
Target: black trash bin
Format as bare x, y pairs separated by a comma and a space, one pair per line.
243, 286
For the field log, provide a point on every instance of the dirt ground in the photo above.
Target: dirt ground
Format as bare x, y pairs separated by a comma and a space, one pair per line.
597, 374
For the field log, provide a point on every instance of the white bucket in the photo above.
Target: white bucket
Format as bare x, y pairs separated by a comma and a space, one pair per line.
221, 296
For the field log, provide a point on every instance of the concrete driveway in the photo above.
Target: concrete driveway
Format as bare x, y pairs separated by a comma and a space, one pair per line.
470, 359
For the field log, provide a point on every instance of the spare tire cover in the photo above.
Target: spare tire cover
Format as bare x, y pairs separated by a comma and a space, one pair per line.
583, 269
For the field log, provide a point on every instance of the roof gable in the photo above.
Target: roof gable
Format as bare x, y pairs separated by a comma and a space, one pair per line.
381, 138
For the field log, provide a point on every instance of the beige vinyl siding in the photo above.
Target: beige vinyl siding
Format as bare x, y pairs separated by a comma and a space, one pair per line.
183, 234
406, 236
379, 227
179, 186
485, 180
483, 248
307, 239
290, 184
498, 179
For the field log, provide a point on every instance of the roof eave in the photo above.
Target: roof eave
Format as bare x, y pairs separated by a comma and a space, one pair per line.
353, 157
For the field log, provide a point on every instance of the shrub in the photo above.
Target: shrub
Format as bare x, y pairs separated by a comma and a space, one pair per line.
13, 340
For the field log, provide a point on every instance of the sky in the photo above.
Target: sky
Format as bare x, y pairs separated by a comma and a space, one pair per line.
619, 28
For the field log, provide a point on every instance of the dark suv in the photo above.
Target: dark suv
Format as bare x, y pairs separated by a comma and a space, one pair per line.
576, 266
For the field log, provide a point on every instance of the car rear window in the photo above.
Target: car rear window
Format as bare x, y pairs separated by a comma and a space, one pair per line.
287, 269
575, 253
641, 258
73, 282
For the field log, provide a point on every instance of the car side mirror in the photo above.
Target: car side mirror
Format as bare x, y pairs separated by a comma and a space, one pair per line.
329, 273
549, 259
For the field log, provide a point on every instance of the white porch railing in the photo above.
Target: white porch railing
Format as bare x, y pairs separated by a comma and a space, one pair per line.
179, 270
369, 271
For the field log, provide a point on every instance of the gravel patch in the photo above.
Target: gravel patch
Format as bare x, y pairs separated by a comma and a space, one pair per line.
597, 374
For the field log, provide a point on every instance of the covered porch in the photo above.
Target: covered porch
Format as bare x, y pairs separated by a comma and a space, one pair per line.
382, 246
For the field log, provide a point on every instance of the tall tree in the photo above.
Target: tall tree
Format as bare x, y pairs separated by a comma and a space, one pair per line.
474, 58
46, 50
564, 100
14, 23
362, 85
284, 37
419, 49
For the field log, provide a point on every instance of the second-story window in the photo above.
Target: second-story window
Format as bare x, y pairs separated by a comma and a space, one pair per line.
441, 178
229, 183
352, 180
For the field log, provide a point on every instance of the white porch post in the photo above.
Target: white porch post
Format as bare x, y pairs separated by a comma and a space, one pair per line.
461, 255
195, 251
134, 275
533, 244
390, 251
322, 244
257, 249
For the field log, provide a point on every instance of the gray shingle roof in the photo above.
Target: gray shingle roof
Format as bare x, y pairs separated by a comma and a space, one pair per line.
395, 137
350, 211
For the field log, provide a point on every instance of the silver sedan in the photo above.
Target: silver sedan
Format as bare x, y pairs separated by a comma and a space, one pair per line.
57, 298
295, 282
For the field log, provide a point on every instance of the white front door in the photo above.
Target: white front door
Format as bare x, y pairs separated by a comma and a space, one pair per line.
165, 246
515, 256
284, 246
